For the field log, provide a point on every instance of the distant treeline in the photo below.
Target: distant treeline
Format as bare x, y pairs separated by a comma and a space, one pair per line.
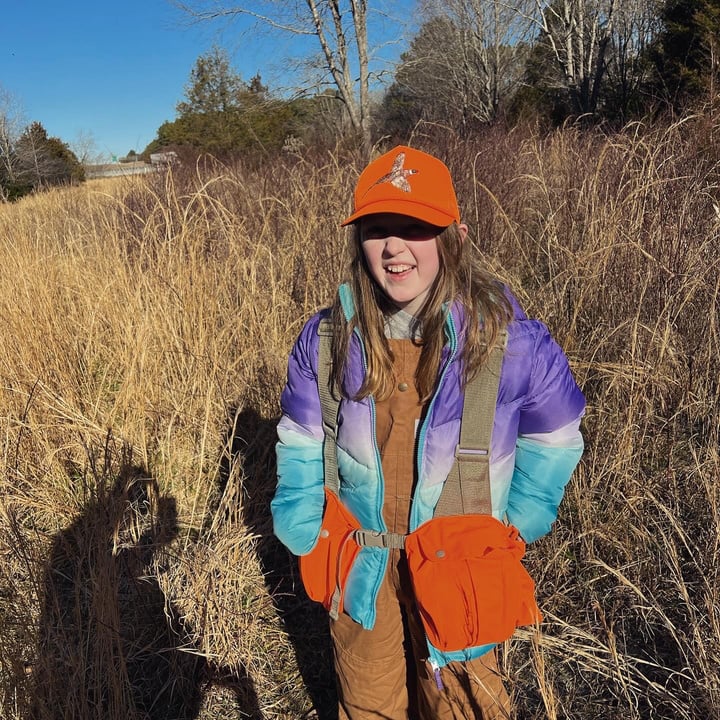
470, 65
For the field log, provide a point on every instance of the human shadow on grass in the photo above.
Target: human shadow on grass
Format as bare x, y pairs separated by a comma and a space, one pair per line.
251, 445
110, 642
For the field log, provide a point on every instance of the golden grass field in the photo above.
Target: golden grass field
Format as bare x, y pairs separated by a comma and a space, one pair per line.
145, 325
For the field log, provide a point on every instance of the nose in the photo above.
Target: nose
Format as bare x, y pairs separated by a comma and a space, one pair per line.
393, 246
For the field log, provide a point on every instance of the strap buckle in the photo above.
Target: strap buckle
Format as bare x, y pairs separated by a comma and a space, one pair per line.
377, 538
468, 454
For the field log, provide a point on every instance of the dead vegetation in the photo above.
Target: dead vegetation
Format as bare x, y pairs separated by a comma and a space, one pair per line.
146, 324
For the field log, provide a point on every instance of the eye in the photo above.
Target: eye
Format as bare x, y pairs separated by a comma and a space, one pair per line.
419, 232
414, 231
374, 232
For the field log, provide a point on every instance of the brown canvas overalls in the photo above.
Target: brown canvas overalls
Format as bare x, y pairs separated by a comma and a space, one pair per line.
383, 673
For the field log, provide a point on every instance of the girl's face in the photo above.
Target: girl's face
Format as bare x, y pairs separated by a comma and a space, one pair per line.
402, 256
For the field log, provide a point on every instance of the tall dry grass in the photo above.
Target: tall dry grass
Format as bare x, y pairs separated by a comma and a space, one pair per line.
146, 325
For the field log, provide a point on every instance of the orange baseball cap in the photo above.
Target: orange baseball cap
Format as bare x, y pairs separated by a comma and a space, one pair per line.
407, 182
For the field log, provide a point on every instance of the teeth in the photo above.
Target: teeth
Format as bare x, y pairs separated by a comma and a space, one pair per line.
398, 268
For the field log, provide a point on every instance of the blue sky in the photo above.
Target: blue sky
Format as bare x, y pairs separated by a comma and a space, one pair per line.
114, 71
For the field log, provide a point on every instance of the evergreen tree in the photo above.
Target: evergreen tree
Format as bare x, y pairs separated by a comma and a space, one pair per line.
686, 52
41, 160
214, 87
224, 116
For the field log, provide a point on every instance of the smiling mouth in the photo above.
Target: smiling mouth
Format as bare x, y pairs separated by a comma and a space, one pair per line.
398, 269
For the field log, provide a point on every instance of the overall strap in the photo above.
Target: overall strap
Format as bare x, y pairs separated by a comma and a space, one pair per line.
329, 404
467, 487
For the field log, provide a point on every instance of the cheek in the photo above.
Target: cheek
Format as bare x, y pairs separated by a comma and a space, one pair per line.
372, 253
436, 263
431, 260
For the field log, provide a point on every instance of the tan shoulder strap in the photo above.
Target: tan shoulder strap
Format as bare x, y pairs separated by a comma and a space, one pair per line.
467, 488
329, 404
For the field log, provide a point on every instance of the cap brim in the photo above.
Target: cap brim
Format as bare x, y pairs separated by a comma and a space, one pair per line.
416, 210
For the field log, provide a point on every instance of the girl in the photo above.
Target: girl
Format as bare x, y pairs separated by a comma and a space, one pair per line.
416, 323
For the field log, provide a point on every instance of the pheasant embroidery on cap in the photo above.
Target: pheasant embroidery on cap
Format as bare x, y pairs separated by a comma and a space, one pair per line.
397, 175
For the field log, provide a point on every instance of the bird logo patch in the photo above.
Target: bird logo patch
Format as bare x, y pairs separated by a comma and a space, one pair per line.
397, 176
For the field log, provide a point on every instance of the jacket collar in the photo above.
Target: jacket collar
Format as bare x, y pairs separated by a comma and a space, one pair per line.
453, 318
347, 301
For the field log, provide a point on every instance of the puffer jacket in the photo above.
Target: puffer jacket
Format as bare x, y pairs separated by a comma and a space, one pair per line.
536, 444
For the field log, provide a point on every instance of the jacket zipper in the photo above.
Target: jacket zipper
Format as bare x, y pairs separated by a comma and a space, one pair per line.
420, 442
381, 483
373, 417
423, 428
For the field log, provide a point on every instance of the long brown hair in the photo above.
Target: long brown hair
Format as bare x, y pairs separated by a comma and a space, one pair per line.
460, 278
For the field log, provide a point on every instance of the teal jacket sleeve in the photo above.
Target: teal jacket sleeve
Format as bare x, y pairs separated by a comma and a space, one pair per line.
298, 503
538, 484
549, 444
297, 506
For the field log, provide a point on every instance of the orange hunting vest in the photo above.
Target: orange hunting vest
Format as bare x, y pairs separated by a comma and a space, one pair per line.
470, 585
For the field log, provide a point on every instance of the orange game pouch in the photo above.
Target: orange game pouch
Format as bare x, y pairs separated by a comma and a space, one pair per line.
470, 585
325, 569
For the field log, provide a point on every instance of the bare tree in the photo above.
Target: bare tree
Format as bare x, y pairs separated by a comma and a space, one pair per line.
85, 148
479, 56
579, 33
636, 25
340, 27
596, 50
34, 163
43, 160
11, 124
